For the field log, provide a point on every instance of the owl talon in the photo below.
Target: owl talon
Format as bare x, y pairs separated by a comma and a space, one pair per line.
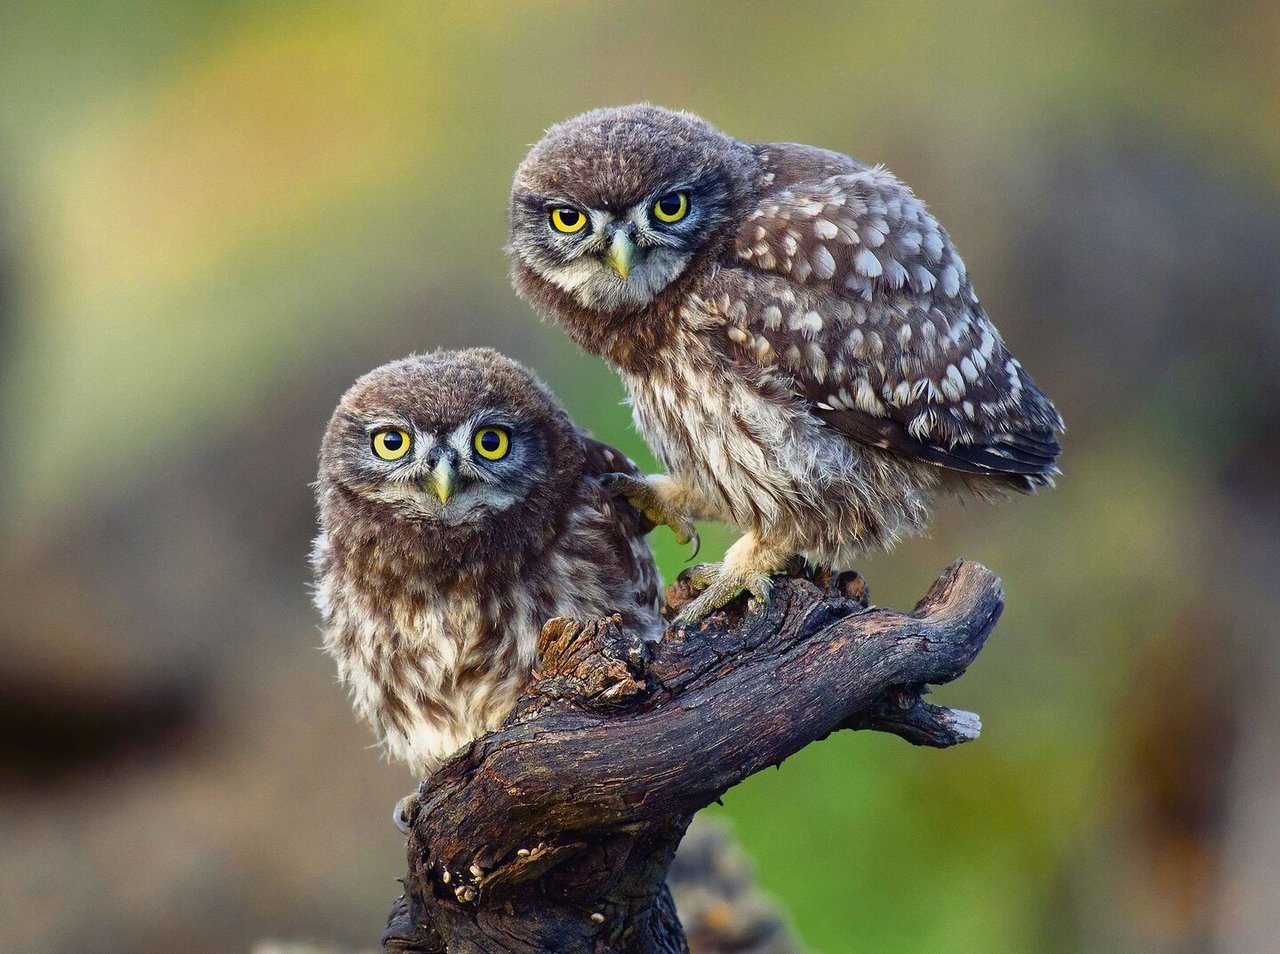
642, 495
720, 588
400, 813
697, 546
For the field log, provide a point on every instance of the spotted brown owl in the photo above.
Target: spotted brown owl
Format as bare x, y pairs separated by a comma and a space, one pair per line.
460, 509
802, 344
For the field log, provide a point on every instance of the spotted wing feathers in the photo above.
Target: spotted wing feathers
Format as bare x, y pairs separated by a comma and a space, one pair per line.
852, 292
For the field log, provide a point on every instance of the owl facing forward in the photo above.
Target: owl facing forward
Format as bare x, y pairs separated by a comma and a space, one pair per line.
800, 339
460, 509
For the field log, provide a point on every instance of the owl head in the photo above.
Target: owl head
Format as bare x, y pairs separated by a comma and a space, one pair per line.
446, 450
612, 207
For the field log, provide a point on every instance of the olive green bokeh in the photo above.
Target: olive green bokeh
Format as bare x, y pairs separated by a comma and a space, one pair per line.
206, 205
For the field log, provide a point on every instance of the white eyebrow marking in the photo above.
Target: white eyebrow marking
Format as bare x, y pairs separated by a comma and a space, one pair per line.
600, 220
639, 214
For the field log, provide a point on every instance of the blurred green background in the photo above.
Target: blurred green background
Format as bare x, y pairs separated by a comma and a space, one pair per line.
214, 215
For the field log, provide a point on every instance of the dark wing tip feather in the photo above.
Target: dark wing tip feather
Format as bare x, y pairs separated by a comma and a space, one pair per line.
1001, 456
1032, 455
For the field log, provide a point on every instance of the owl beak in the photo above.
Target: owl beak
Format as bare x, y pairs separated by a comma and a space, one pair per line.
443, 478
622, 253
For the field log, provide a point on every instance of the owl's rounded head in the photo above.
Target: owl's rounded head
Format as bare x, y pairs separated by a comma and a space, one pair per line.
458, 443
612, 206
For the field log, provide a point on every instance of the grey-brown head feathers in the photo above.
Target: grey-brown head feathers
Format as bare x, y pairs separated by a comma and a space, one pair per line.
615, 157
442, 401
613, 166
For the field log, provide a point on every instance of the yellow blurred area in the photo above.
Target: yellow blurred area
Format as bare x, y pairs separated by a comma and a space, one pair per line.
246, 140
214, 215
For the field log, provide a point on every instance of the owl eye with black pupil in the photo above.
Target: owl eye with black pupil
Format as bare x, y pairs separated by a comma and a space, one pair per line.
391, 444
672, 207
568, 220
492, 443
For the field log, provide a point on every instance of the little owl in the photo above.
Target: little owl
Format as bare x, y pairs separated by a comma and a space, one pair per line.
460, 509
802, 345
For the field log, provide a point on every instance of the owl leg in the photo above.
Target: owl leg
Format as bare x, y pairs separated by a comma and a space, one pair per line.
748, 566
661, 500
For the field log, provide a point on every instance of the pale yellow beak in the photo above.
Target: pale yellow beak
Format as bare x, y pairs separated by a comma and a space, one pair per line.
442, 480
622, 253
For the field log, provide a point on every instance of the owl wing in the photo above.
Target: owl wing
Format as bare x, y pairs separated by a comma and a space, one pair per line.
848, 290
601, 459
621, 526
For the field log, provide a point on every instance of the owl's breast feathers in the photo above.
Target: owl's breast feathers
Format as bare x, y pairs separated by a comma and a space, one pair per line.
430, 659
751, 454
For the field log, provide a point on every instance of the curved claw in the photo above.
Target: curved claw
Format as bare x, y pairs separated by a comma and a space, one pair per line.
685, 532
640, 493
400, 812
697, 547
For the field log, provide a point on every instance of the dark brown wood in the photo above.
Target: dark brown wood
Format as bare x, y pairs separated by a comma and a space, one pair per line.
556, 832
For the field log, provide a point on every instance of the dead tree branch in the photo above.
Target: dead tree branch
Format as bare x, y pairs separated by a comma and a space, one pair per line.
556, 832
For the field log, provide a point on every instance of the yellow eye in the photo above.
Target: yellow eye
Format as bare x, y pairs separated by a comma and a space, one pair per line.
492, 443
391, 443
568, 220
672, 207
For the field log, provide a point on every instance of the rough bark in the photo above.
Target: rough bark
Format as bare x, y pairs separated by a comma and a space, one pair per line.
556, 832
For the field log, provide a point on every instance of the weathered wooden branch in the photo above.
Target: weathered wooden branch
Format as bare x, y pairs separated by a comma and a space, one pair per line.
555, 833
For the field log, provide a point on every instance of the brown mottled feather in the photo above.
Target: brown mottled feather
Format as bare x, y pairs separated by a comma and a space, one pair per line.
865, 304
433, 618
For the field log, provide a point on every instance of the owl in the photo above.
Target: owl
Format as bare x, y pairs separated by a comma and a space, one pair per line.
802, 345
460, 509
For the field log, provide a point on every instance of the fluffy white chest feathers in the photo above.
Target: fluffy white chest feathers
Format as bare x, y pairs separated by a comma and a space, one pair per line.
429, 677
432, 667
743, 449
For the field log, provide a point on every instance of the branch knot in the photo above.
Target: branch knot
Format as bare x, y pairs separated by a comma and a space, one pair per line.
595, 662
